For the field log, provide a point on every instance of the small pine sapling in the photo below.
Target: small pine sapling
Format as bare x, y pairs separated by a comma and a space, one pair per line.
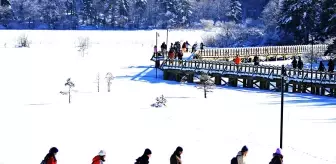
109, 77
98, 81
70, 85
206, 84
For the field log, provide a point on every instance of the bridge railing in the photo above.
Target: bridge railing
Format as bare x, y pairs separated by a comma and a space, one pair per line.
260, 51
265, 71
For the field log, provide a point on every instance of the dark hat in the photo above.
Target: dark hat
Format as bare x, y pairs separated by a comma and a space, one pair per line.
244, 149
179, 149
53, 150
147, 152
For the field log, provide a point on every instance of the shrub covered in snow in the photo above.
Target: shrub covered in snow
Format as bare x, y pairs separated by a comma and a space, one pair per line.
22, 41
83, 45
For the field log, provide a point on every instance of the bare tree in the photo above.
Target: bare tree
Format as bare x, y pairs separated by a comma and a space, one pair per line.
160, 102
83, 45
109, 77
206, 84
184, 79
98, 81
69, 84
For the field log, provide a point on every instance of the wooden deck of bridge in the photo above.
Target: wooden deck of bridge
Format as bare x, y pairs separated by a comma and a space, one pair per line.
262, 77
267, 52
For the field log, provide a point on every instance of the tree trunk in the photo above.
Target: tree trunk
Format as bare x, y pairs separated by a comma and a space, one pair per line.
69, 96
205, 96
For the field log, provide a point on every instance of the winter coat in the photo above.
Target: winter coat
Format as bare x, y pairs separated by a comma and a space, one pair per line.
321, 67
97, 160
184, 45
171, 54
175, 159
294, 63
50, 159
276, 159
256, 60
144, 159
237, 60
300, 64
331, 66
180, 55
240, 158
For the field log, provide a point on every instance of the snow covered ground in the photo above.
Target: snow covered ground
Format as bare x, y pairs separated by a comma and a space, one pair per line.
34, 116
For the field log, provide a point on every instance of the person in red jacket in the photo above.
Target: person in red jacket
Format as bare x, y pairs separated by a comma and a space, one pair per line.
50, 157
100, 158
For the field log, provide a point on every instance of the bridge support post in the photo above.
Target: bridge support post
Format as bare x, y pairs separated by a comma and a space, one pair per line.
312, 90
286, 87
244, 83
233, 82
294, 88
331, 92
165, 75
317, 90
278, 86
323, 91
191, 78
178, 77
299, 89
267, 85
304, 88
249, 83
218, 80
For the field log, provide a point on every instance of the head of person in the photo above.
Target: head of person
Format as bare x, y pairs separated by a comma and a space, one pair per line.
53, 151
102, 155
278, 153
179, 150
148, 152
244, 150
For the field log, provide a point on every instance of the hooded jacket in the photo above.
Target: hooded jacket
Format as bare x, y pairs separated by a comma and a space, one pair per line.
175, 158
97, 160
240, 158
277, 159
144, 159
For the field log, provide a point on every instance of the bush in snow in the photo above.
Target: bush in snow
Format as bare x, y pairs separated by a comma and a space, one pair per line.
83, 45
22, 41
207, 24
206, 84
70, 85
315, 58
160, 102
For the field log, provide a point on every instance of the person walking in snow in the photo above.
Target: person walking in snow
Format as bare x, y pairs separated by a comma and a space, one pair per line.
50, 158
144, 159
100, 158
241, 155
176, 156
277, 157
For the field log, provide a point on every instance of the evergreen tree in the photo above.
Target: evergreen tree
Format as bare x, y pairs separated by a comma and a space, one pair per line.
328, 19
300, 18
184, 13
87, 12
52, 12
140, 6
6, 15
235, 11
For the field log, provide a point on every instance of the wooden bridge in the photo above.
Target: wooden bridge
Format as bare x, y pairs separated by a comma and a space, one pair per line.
262, 76
267, 52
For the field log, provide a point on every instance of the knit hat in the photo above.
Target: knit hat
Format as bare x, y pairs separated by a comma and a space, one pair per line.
102, 153
244, 149
53, 150
278, 151
147, 152
179, 149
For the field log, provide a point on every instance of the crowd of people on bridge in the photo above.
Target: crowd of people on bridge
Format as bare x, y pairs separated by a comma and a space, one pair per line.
175, 158
176, 50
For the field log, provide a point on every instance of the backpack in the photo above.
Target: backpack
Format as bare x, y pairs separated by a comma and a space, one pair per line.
234, 160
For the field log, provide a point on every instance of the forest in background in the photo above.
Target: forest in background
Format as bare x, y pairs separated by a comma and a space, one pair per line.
232, 22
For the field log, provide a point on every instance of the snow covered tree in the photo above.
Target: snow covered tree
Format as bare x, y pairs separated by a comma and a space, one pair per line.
168, 13
184, 13
270, 16
206, 84
6, 15
160, 102
328, 19
26, 11
140, 7
4, 3
235, 11
300, 18
88, 12
70, 85
71, 14
124, 12
52, 12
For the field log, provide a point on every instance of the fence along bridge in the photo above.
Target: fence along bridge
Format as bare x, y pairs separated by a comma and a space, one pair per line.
264, 77
267, 52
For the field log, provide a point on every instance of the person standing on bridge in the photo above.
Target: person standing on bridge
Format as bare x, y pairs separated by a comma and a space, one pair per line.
237, 61
277, 157
256, 60
331, 67
300, 65
294, 64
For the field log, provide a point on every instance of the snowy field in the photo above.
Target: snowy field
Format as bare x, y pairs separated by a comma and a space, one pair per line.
34, 116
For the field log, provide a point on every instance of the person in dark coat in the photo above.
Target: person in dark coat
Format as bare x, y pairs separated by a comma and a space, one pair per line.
202, 46
256, 60
294, 63
331, 67
187, 45
50, 158
300, 63
163, 47
277, 157
180, 55
321, 67
193, 48
176, 156
144, 159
